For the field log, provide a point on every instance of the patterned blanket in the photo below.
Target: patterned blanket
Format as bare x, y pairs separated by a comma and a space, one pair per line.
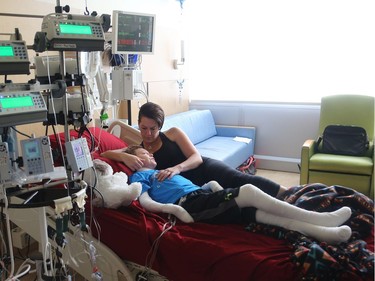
353, 260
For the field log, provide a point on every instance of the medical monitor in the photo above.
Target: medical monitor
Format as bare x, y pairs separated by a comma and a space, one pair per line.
133, 33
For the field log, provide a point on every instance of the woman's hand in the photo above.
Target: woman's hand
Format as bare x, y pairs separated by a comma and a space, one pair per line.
133, 162
167, 173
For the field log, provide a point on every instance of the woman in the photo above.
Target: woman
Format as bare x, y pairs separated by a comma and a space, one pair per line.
175, 154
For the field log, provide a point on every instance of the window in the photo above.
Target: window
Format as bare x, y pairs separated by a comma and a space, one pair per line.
273, 50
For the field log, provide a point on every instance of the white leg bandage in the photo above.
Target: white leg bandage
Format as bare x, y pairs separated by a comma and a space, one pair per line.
251, 196
213, 186
332, 235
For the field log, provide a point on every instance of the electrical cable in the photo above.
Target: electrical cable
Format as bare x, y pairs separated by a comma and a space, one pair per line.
3, 243
23, 134
26, 269
150, 258
10, 242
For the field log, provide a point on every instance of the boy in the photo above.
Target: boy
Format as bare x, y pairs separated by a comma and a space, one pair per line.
190, 203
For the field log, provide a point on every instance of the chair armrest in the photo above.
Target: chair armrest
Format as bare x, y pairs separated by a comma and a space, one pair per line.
308, 149
370, 151
372, 155
128, 134
236, 131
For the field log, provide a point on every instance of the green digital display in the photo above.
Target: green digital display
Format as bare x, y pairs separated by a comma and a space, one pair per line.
15, 102
6, 51
67, 28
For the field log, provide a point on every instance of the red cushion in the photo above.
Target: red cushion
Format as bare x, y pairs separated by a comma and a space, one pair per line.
103, 141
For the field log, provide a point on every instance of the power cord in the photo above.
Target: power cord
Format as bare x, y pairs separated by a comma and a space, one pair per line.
143, 276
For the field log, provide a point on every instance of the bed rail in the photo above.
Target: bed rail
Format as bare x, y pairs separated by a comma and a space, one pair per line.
127, 133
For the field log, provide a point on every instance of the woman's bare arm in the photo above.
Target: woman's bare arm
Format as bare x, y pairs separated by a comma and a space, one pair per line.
132, 161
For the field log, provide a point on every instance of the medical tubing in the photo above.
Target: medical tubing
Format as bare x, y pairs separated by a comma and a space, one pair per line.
21, 274
155, 245
9, 236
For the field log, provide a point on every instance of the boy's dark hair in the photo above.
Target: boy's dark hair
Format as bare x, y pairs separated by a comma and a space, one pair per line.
153, 111
132, 148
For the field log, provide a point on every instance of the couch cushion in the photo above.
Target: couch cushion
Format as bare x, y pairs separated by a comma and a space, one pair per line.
225, 149
199, 125
341, 164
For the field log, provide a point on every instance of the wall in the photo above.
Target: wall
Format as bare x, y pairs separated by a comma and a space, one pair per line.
158, 72
281, 129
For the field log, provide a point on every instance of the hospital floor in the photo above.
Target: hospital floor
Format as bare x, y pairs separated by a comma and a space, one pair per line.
283, 178
286, 179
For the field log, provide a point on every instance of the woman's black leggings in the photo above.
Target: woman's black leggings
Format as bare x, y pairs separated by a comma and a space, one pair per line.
227, 176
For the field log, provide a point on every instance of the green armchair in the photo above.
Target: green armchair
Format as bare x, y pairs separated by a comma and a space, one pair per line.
356, 172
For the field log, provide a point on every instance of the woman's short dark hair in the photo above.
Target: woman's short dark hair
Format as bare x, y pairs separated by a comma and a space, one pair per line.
153, 111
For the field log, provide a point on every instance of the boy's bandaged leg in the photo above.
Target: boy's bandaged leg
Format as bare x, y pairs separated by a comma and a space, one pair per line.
213, 186
251, 196
332, 235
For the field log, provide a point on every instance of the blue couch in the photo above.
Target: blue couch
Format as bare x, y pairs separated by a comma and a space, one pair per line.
214, 141
211, 140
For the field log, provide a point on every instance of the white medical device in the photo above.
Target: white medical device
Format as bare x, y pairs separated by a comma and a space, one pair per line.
5, 163
37, 156
78, 154
126, 83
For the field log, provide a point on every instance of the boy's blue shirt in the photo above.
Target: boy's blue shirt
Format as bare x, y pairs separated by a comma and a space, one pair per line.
167, 191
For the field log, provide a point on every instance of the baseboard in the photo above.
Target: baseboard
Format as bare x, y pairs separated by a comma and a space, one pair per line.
277, 163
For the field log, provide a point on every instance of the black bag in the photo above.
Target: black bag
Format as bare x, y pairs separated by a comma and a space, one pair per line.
344, 140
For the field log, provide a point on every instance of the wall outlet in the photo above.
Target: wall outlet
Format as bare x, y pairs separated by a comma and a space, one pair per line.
20, 238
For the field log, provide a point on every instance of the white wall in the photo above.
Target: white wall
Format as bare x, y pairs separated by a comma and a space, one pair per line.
281, 128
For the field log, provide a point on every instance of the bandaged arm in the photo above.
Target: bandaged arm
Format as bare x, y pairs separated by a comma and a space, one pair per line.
151, 205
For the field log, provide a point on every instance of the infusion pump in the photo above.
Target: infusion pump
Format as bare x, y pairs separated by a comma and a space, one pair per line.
37, 157
13, 58
21, 107
71, 33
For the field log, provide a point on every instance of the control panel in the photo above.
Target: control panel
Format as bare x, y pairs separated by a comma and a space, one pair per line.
13, 58
21, 107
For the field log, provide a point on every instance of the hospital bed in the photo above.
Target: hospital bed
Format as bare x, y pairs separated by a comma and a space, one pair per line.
133, 244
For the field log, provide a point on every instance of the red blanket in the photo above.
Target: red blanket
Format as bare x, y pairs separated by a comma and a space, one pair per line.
195, 251
221, 252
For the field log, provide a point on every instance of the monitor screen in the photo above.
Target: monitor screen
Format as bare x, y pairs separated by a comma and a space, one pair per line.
133, 33
6, 51
32, 149
67, 28
78, 150
16, 102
